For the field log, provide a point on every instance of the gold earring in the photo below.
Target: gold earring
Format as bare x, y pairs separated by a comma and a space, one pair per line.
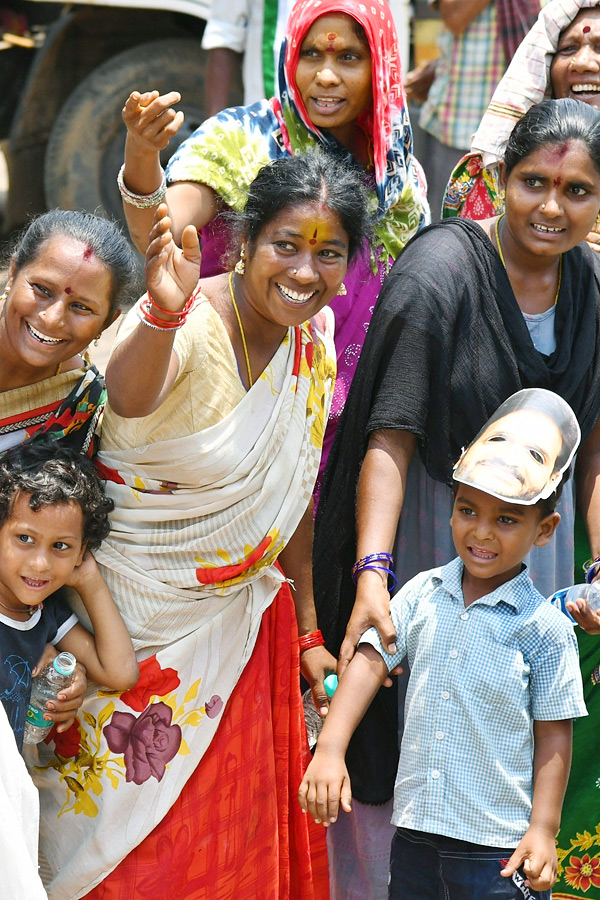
342, 290
502, 194
240, 266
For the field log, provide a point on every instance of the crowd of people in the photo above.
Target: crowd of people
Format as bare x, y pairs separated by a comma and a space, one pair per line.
332, 437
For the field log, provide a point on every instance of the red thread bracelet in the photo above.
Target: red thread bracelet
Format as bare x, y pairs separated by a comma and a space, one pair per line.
307, 641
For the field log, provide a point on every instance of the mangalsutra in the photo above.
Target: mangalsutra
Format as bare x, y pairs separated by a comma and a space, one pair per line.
239, 319
501, 254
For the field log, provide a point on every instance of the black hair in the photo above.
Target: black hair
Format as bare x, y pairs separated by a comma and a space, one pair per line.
554, 122
548, 506
309, 177
102, 236
52, 474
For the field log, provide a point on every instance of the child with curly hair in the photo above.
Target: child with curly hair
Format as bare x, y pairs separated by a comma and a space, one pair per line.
53, 513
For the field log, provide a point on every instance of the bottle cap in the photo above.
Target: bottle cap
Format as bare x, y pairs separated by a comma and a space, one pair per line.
64, 663
331, 682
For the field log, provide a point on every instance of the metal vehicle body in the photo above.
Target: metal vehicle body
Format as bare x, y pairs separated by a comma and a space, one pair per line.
61, 97
63, 132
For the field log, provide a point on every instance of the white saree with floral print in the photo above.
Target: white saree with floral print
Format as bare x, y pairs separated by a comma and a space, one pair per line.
199, 522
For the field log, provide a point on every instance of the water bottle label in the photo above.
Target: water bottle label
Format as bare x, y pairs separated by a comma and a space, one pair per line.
36, 717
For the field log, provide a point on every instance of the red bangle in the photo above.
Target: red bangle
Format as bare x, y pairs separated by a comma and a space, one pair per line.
307, 641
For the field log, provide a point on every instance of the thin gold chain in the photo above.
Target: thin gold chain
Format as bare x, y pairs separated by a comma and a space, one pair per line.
238, 317
501, 254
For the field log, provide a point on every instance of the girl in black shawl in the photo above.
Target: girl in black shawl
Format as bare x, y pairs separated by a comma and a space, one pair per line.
470, 313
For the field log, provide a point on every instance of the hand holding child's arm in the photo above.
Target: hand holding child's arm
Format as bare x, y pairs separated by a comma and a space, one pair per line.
108, 653
326, 782
551, 763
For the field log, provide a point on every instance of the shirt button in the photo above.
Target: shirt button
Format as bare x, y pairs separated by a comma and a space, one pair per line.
464, 616
439, 735
435, 773
445, 695
453, 654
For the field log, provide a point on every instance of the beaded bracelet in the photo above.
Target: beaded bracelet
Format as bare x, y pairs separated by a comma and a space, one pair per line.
142, 201
307, 641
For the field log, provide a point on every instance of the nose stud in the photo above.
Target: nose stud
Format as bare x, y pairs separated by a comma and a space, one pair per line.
293, 271
543, 206
572, 63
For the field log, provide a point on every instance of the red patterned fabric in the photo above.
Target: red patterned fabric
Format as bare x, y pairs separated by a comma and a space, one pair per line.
237, 832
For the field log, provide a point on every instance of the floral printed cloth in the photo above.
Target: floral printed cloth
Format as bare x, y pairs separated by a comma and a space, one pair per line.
198, 525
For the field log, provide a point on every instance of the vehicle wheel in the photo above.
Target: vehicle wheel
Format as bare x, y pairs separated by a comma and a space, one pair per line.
85, 149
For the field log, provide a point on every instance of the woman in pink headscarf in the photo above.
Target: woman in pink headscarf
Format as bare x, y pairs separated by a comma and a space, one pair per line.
340, 88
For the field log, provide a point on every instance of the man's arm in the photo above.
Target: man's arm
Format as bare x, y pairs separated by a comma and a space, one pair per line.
458, 14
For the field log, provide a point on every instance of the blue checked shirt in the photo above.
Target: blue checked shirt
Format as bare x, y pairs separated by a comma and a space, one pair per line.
479, 677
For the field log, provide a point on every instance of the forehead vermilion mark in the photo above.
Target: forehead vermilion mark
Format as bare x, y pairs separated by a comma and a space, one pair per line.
313, 239
68, 290
586, 29
557, 182
87, 252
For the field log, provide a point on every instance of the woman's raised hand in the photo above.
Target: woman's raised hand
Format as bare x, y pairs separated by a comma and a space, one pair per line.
171, 273
150, 120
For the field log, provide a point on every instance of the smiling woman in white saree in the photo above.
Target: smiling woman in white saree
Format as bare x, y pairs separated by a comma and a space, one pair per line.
212, 442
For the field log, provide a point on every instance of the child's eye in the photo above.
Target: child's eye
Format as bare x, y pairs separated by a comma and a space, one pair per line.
467, 511
60, 545
506, 520
25, 538
537, 456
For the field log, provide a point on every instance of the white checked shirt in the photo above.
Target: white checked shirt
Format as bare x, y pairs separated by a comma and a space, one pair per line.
479, 677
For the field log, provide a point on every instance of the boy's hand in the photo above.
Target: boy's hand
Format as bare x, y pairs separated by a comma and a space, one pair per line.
537, 854
315, 665
62, 710
85, 572
325, 785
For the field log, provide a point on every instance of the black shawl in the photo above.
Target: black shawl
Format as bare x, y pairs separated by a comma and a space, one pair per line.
446, 346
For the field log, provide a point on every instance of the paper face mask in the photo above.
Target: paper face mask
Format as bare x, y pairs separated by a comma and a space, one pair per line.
523, 450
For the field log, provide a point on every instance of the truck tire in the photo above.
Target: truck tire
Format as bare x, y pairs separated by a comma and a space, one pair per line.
86, 144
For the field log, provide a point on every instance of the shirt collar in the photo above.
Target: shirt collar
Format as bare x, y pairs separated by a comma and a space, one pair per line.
513, 592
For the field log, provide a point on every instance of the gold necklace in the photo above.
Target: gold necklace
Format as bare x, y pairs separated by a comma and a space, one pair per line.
501, 254
238, 317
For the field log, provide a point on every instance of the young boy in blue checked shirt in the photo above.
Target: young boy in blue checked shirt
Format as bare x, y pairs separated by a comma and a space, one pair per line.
494, 682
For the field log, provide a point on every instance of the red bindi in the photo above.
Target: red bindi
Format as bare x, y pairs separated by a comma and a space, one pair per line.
557, 182
586, 29
313, 239
68, 290
331, 36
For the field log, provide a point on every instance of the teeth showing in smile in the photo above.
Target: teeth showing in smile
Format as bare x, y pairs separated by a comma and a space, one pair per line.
34, 582
548, 229
294, 296
585, 88
482, 554
43, 338
327, 101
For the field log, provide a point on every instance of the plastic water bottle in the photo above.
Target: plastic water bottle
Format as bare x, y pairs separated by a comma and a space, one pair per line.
589, 592
314, 722
55, 676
